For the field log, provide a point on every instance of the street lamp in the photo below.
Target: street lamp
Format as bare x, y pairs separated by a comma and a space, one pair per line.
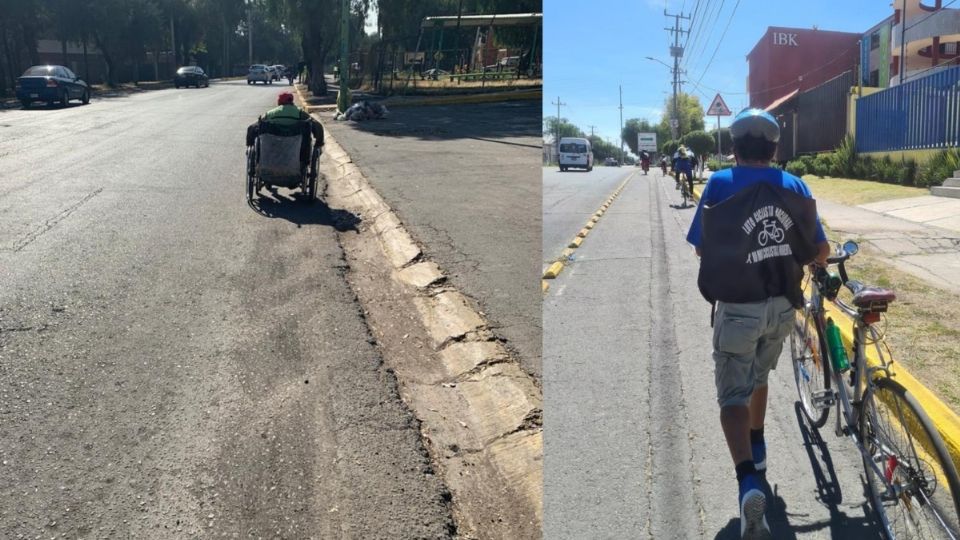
660, 61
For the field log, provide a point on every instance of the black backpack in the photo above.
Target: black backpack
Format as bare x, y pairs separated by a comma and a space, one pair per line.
754, 245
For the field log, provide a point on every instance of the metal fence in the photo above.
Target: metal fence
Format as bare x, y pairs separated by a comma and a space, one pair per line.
920, 114
391, 68
822, 118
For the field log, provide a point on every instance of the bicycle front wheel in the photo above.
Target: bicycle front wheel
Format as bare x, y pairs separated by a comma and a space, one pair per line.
912, 478
811, 369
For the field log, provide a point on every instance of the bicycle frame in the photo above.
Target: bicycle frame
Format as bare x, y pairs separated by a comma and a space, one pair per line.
862, 376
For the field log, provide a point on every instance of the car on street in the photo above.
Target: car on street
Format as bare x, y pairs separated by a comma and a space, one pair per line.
51, 84
259, 73
278, 70
434, 73
575, 152
191, 76
611, 162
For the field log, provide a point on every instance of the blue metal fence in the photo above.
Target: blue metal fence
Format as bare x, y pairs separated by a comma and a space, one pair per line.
916, 115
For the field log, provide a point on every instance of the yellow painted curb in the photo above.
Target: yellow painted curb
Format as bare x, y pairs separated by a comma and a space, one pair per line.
553, 270
589, 225
583, 233
946, 421
567, 252
575, 243
544, 285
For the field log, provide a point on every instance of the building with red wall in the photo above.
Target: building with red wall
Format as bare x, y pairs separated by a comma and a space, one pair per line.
790, 60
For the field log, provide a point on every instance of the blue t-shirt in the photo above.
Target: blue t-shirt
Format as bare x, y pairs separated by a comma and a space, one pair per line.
723, 184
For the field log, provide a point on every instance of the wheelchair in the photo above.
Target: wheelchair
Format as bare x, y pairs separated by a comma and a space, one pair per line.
274, 161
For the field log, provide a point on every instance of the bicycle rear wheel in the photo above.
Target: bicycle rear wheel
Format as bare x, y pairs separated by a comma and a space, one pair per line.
917, 494
811, 368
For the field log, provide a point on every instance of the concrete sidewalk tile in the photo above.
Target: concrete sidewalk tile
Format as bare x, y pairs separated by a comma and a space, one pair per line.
951, 222
927, 213
901, 204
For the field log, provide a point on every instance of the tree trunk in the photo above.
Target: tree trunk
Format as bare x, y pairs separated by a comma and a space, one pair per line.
156, 63
107, 59
86, 62
63, 51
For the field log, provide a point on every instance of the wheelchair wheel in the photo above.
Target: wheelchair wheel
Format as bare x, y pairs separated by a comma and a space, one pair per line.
252, 183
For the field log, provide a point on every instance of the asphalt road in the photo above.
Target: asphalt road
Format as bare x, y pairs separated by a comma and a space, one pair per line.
570, 199
172, 359
465, 181
632, 440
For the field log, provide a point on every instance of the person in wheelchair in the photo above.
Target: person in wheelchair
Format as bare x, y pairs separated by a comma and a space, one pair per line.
286, 119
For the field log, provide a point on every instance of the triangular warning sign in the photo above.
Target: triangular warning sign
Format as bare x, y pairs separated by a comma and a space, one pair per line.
718, 108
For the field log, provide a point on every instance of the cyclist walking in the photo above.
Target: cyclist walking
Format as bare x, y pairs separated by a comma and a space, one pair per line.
753, 249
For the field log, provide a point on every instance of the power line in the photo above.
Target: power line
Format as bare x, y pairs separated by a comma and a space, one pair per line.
925, 18
706, 30
717, 48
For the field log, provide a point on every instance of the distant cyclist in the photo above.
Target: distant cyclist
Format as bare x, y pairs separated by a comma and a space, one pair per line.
753, 248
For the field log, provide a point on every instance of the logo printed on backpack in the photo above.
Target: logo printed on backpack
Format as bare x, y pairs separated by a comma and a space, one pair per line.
766, 219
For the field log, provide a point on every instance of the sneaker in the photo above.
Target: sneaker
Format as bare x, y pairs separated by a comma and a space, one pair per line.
753, 507
759, 455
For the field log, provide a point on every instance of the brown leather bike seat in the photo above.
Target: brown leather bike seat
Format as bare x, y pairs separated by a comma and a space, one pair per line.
865, 297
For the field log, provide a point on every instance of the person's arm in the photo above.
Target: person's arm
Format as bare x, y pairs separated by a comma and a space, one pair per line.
823, 251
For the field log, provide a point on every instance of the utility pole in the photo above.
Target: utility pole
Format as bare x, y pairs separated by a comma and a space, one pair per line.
558, 104
591, 130
676, 51
621, 124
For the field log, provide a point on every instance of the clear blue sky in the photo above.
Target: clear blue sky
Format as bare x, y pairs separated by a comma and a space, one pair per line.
592, 47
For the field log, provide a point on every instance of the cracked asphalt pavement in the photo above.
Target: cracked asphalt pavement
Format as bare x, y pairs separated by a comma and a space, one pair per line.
465, 181
632, 439
175, 363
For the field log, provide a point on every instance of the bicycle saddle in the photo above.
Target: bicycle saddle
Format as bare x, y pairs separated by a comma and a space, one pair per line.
867, 297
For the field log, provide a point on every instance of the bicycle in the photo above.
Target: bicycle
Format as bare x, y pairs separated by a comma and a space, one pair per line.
912, 478
683, 185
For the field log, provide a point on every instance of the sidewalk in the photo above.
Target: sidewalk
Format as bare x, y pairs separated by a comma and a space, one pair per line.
920, 235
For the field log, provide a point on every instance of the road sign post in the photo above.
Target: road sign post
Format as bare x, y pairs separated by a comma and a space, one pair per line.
719, 108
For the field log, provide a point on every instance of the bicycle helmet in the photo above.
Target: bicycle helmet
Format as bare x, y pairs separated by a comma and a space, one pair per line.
285, 98
756, 123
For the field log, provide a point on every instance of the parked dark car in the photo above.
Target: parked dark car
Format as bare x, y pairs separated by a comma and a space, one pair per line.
191, 76
51, 84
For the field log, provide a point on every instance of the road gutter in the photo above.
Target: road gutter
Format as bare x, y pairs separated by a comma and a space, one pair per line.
479, 412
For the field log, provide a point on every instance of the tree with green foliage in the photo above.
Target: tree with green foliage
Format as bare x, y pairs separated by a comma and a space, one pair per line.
726, 142
634, 126
691, 113
566, 129
699, 142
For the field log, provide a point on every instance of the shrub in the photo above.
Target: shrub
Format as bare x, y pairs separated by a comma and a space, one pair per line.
807, 161
797, 168
822, 165
716, 165
845, 158
939, 168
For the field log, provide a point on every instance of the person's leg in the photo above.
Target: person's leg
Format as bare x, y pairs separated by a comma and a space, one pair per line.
758, 407
735, 421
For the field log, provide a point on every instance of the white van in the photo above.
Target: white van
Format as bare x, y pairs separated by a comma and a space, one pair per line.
575, 152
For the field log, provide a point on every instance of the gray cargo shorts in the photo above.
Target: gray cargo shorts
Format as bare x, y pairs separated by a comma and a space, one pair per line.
747, 340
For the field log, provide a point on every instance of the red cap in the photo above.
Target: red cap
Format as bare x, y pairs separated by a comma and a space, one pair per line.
285, 98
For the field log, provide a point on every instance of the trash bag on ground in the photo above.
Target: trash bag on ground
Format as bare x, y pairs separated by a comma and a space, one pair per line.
364, 110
